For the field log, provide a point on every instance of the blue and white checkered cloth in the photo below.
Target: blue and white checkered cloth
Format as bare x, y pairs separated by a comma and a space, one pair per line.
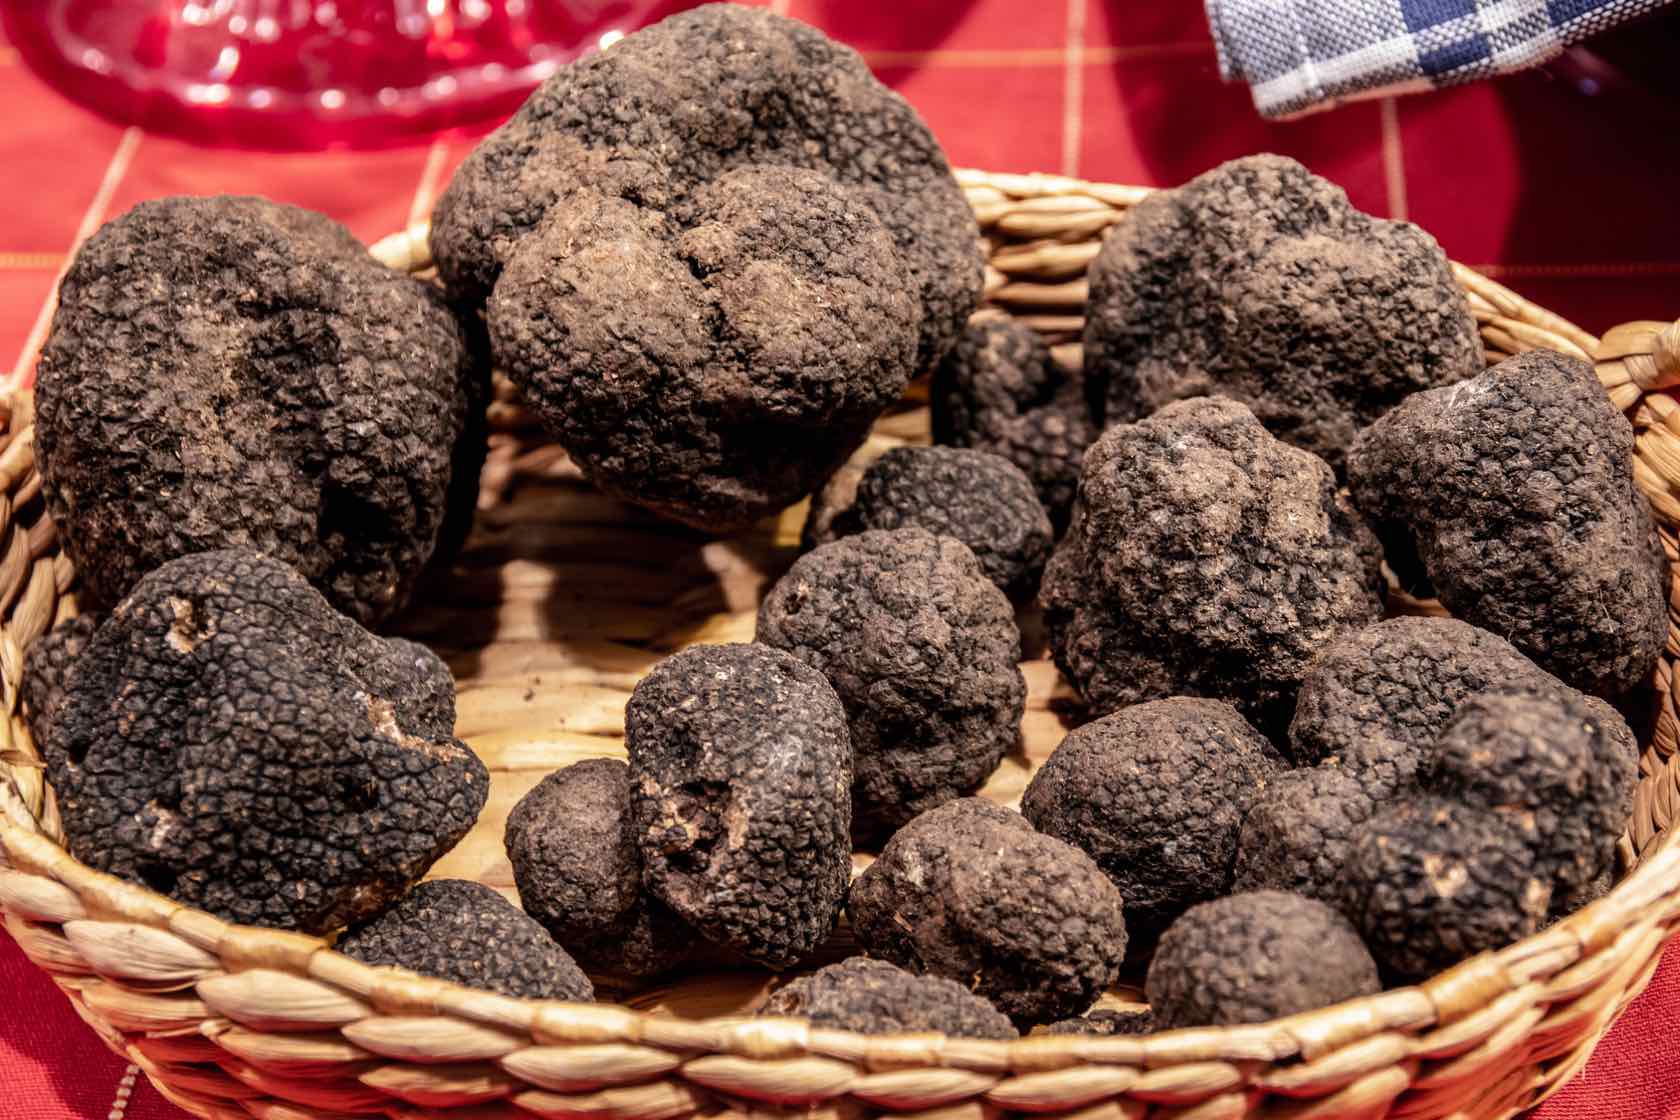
1301, 55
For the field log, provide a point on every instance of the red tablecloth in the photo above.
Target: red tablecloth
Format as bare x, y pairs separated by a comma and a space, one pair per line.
1564, 194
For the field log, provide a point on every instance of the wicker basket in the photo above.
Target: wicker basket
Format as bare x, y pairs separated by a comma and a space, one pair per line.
230, 1021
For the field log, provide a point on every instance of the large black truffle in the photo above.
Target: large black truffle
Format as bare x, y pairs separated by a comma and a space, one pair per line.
1251, 958
1515, 490
875, 997
1299, 832
578, 867
453, 929
999, 390
924, 653
1155, 794
228, 372
228, 739
1258, 281
982, 500
740, 796
971, 892
1205, 559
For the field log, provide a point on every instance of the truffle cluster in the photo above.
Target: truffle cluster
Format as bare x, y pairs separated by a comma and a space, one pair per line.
875, 997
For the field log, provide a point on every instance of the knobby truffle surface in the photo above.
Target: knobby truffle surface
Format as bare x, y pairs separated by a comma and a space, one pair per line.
971, 892
1106, 1022
228, 372
1515, 490
46, 669
1260, 282
740, 795
226, 738
1205, 559
1300, 831
453, 929
924, 653
875, 997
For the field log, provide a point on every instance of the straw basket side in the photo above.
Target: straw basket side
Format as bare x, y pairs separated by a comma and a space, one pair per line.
560, 601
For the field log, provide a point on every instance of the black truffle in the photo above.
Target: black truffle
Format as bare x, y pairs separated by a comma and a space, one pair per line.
1515, 489
1300, 831
578, 867
228, 739
1374, 700
924, 653
228, 372
1155, 794
1251, 958
740, 796
1258, 281
874, 997
999, 390
46, 668
1106, 1022
1205, 559
982, 500
452, 929
1432, 882
971, 892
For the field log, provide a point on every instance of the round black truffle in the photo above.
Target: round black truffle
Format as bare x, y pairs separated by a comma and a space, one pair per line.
924, 653
453, 929
999, 390
1254, 957
1205, 559
46, 669
1155, 794
578, 867
1515, 489
1258, 281
1106, 1022
226, 738
740, 796
1299, 832
982, 500
971, 892
228, 372
874, 997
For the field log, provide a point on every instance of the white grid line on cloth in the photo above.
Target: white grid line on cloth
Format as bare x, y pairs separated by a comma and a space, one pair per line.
91, 218
1073, 87
425, 191
1393, 159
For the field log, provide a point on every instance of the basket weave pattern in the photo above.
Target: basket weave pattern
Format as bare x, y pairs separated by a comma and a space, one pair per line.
560, 601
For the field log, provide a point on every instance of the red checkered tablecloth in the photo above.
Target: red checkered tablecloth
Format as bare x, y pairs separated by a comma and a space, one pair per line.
1564, 193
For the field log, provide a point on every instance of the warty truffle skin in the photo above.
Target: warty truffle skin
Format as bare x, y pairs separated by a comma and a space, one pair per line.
924, 653
1254, 957
1516, 490
971, 892
740, 795
453, 929
1299, 832
1155, 794
1107, 1022
47, 666
578, 867
1260, 282
982, 500
1207, 559
229, 373
228, 739
999, 390
875, 997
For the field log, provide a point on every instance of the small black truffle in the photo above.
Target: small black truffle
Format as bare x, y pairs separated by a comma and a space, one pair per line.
1258, 281
1515, 490
1106, 1022
1254, 957
232, 373
924, 653
999, 390
1205, 559
578, 867
46, 668
1300, 831
453, 929
971, 892
874, 997
982, 500
226, 738
740, 796
1155, 794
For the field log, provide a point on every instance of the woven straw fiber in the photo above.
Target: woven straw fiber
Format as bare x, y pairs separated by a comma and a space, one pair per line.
561, 600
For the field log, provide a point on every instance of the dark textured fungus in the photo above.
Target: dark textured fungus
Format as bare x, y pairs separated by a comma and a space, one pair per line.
226, 738
227, 372
924, 653
1105, 1021
1299, 832
875, 997
46, 669
1258, 281
1515, 491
